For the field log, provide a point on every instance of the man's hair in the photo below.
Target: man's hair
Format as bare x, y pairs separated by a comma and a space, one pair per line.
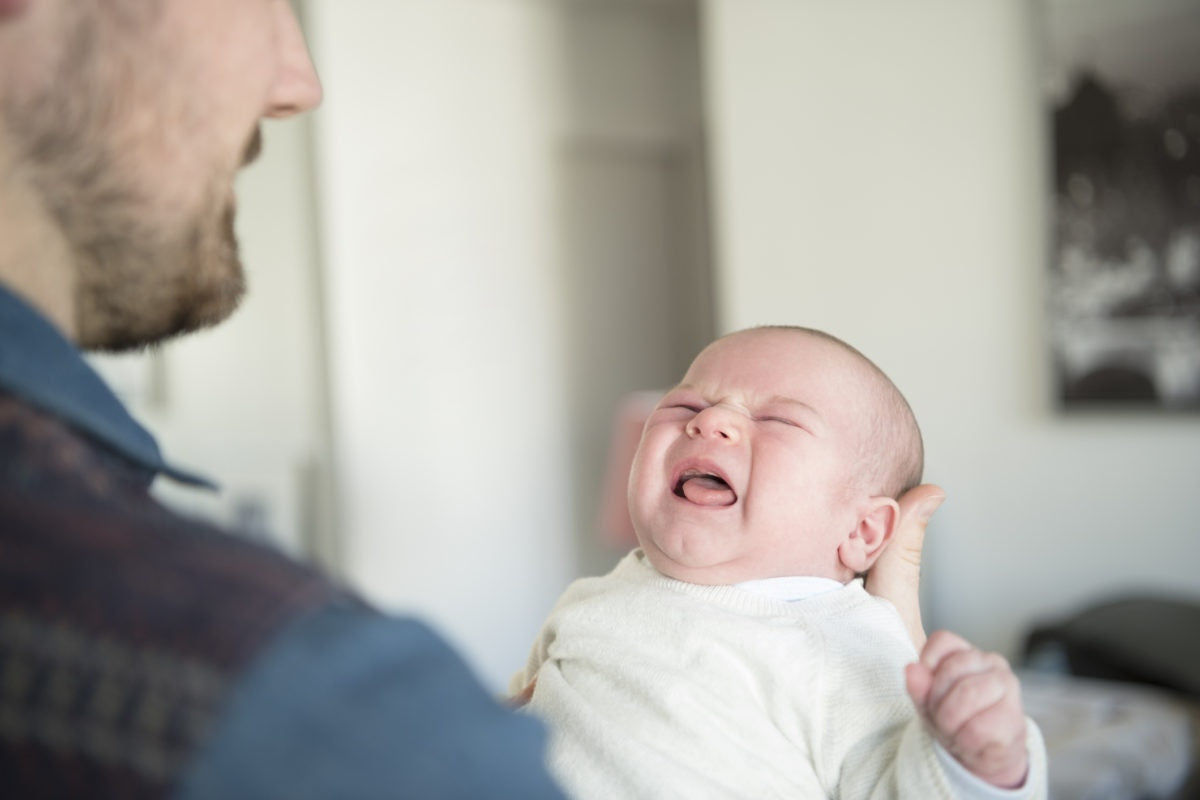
891, 457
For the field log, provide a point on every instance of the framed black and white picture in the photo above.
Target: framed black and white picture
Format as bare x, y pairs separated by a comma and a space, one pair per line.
1123, 88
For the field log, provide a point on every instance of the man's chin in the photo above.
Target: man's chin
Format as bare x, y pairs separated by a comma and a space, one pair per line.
130, 333
148, 311
160, 294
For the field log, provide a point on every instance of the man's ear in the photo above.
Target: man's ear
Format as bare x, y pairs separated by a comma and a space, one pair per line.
876, 524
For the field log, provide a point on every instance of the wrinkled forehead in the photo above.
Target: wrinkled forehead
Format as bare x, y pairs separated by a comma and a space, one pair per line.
779, 361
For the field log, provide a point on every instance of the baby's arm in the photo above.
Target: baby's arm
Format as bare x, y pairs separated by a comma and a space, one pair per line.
972, 703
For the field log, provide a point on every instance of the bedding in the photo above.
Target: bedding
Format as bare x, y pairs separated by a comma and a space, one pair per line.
1109, 740
1115, 688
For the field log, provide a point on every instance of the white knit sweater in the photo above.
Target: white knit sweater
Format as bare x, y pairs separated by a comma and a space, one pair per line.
655, 688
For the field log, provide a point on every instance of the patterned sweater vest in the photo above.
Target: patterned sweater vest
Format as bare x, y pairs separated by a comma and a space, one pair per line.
123, 626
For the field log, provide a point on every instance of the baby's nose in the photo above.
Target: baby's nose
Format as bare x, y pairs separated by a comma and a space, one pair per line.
715, 422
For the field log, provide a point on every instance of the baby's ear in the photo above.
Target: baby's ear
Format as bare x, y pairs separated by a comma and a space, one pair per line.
876, 524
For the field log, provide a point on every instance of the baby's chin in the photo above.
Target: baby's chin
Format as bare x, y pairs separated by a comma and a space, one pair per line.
723, 569
692, 568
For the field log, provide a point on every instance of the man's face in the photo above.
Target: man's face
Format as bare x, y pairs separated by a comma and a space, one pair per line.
743, 471
133, 139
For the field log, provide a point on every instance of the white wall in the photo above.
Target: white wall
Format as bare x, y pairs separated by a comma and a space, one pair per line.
505, 185
879, 171
445, 356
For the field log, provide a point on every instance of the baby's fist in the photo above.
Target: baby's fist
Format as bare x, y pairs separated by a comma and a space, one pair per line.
972, 702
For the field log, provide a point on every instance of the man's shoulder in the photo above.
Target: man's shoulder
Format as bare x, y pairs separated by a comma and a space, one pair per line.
359, 705
141, 619
121, 564
89, 549
65, 491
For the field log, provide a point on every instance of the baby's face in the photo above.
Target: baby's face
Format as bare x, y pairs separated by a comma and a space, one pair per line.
743, 471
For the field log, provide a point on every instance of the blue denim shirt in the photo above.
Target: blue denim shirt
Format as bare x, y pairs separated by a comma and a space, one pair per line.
345, 702
38, 364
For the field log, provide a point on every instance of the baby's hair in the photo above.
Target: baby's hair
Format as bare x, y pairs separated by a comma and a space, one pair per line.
892, 455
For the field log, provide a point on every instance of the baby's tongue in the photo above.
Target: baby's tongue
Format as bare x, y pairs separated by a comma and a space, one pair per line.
708, 491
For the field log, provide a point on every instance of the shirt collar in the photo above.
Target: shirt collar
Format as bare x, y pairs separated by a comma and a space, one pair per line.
790, 589
38, 364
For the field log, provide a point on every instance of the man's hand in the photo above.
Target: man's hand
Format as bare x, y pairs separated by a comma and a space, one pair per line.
896, 576
971, 700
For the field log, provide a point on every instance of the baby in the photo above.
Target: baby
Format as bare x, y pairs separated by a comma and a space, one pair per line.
736, 653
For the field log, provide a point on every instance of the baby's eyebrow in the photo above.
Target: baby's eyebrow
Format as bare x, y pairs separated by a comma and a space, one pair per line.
782, 398
799, 405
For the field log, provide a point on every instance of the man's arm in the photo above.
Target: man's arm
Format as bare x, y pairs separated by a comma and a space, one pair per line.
354, 704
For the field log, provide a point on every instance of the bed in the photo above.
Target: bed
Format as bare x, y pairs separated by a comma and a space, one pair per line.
1115, 689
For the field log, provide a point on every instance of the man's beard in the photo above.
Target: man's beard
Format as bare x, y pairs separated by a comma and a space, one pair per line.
139, 284
141, 276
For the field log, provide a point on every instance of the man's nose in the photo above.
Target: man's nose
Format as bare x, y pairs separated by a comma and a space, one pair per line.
297, 88
716, 422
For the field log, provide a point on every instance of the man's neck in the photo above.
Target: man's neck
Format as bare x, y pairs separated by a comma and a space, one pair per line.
35, 259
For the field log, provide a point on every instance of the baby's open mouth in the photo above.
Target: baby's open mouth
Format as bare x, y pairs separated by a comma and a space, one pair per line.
704, 489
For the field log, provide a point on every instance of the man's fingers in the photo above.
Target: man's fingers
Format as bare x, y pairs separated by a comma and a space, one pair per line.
896, 576
917, 506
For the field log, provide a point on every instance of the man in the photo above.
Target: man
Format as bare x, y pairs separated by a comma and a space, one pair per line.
141, 654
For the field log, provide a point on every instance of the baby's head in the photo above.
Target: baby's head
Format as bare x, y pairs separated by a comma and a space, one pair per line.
782, 452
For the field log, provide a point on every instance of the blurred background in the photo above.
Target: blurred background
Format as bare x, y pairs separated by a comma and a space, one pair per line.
511, 213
